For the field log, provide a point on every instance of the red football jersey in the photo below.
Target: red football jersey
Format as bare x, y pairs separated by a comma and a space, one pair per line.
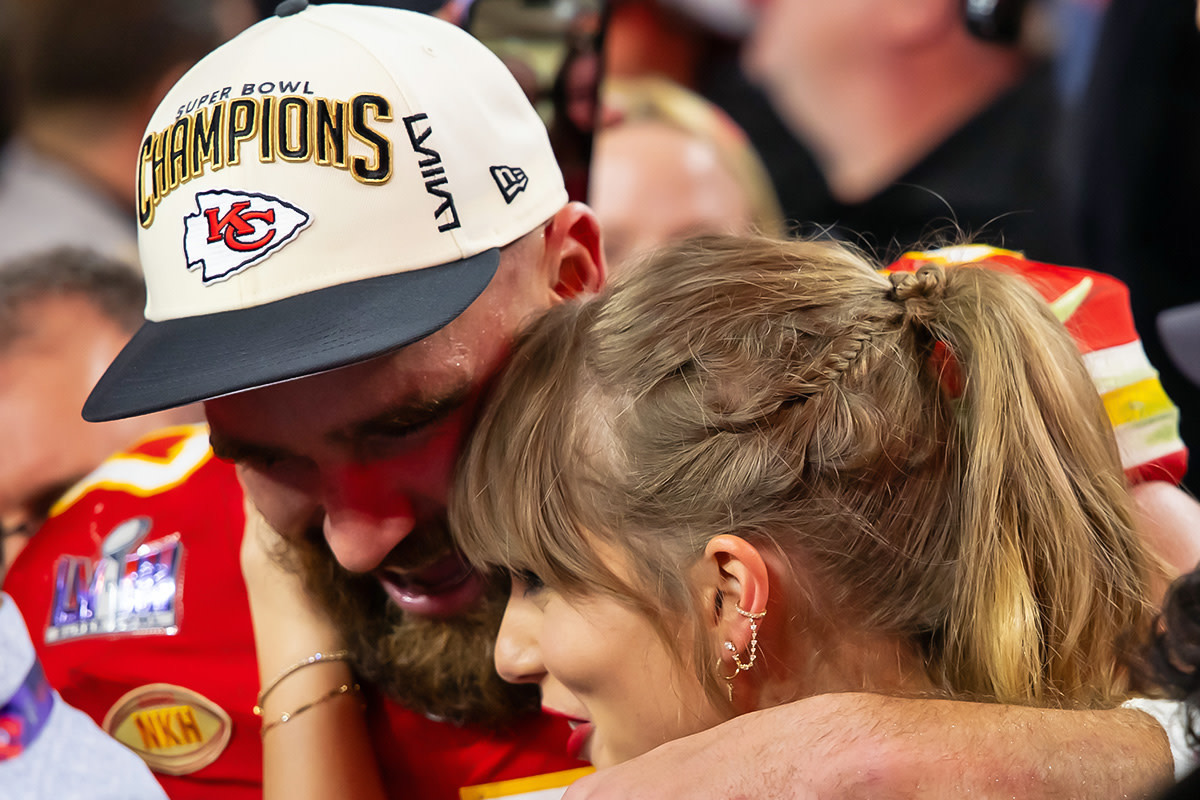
134, 598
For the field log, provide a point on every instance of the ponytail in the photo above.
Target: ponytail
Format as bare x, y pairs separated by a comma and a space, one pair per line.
1050, 566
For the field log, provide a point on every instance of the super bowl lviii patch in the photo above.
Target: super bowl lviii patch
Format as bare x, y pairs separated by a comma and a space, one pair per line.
550, 786
133, 586
176, 731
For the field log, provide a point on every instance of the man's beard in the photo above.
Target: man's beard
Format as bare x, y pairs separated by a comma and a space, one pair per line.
440, 667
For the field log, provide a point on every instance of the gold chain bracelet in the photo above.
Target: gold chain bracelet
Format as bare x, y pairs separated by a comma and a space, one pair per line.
345, 688
315, 658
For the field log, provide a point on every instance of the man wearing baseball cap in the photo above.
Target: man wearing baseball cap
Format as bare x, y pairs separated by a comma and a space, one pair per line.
346, 214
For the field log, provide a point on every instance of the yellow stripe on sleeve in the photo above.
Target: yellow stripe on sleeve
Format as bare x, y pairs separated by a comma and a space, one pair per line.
535, 787
1137, 401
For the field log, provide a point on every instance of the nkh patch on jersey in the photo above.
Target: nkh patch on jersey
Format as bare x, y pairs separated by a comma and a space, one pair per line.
232, 231
175, 730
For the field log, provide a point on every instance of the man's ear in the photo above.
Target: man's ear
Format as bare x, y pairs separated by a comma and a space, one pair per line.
735, 576
574, 258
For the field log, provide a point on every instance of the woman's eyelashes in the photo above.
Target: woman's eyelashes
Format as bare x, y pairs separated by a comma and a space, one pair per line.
527, 581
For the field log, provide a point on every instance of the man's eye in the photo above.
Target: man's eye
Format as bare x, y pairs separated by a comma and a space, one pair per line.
21, 527
384, 445
260, 463
280, 467
34, 511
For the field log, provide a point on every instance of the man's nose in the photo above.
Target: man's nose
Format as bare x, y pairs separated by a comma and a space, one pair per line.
518, 653
366, 514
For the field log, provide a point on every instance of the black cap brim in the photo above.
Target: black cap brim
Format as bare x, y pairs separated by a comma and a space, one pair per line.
180, 361
1179, 329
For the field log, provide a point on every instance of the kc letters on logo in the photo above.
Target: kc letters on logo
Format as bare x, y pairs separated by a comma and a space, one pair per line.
231, 231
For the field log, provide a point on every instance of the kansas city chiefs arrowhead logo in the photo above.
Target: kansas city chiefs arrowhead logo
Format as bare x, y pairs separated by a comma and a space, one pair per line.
231, 231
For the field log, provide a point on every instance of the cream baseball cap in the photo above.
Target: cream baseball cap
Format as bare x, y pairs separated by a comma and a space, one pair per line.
330, 185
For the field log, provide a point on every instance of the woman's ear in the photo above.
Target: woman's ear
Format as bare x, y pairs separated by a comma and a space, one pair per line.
574, 258
736, 577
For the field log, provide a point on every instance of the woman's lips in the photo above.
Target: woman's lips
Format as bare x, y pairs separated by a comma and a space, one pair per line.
581, 732
443, 589
577, 742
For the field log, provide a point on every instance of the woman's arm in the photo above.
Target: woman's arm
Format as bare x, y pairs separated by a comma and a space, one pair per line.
324, 751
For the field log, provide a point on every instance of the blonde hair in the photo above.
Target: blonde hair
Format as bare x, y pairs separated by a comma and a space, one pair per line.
652, 98
971, 503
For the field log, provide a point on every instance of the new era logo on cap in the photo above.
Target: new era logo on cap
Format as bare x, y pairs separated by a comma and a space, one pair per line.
511, 180
234, 230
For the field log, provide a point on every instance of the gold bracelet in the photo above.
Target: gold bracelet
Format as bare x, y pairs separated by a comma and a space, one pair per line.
315, 658
345, 688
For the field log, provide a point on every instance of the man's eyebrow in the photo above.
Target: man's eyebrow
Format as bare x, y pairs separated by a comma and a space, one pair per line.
408, 418
236, 450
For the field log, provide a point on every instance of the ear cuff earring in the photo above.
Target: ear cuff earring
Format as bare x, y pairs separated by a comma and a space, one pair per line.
751, 650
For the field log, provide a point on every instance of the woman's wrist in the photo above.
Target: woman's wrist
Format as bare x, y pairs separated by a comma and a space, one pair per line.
303, 687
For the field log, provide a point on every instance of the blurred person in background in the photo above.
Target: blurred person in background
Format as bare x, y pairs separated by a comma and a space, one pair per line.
669, 164
64, 315
697, 44
918, 122
85, 77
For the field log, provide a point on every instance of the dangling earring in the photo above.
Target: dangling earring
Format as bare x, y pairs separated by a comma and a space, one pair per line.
751, 651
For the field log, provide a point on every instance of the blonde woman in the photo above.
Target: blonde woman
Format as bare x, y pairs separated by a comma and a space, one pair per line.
756, 470
669, 164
